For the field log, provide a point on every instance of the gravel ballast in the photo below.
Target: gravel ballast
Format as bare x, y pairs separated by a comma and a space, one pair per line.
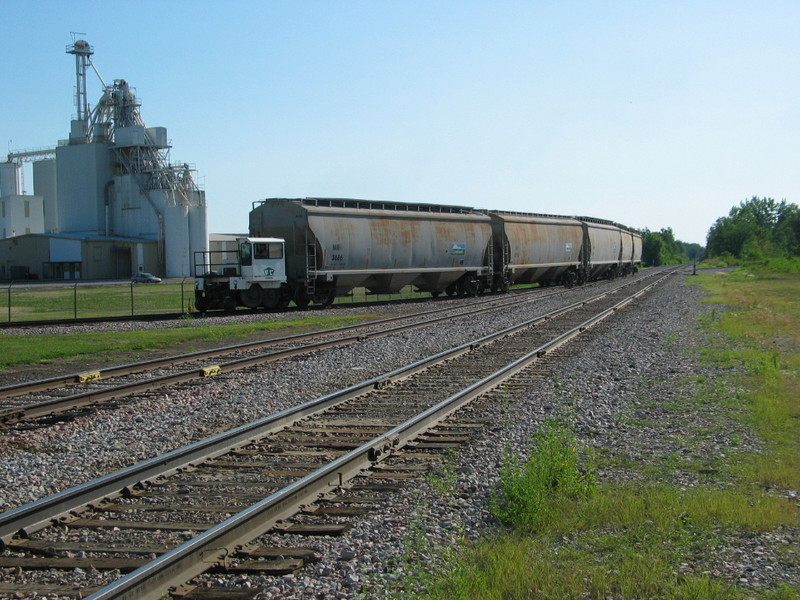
609, 388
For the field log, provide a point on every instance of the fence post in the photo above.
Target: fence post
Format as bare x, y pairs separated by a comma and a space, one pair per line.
75, 301
131, 298
9, 300
183, 306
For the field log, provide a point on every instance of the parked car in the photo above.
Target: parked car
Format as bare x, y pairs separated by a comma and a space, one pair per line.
145, 278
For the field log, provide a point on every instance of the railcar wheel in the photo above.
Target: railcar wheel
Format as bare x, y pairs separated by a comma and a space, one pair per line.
229, 304
435, 293
325, 296
201, 304
501, 284
468, 287
270, 298
284, 298
301, 297
253, 296
451, 290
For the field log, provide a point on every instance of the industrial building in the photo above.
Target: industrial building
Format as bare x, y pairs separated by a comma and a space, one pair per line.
107, 202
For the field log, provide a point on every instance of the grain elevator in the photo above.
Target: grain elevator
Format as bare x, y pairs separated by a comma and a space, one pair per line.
108, 193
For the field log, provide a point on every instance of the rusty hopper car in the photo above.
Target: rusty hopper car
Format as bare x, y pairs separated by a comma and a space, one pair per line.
612, 249
530, 248
335, 245
604, 248
636, 251
631, 251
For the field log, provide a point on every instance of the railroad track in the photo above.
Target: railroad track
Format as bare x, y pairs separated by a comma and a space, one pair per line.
304, 470
341, 304
45, 401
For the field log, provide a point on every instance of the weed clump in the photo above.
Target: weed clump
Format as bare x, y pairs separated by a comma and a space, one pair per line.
531, 489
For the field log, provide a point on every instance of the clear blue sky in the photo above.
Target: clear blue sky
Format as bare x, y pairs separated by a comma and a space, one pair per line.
653, 114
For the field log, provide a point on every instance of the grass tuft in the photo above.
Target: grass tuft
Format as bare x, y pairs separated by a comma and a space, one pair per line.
531, 488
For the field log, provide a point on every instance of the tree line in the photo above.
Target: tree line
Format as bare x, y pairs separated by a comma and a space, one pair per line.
661, 248
755, 230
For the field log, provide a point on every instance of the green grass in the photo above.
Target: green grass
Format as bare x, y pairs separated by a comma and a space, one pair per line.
511, 567
665, 510
84, 300
764, 323
572, 540
620, 542
655, 538
98, 300
32, 349
92, 300
31, 302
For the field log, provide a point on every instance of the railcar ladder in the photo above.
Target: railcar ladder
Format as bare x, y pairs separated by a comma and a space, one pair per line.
490, 261
506, 258
311, 267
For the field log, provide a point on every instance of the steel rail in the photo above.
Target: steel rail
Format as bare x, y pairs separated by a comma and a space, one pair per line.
45, 384
66, 403
31, 517
194, 557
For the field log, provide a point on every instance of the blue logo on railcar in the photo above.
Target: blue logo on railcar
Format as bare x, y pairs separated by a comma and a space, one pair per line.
458, 249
